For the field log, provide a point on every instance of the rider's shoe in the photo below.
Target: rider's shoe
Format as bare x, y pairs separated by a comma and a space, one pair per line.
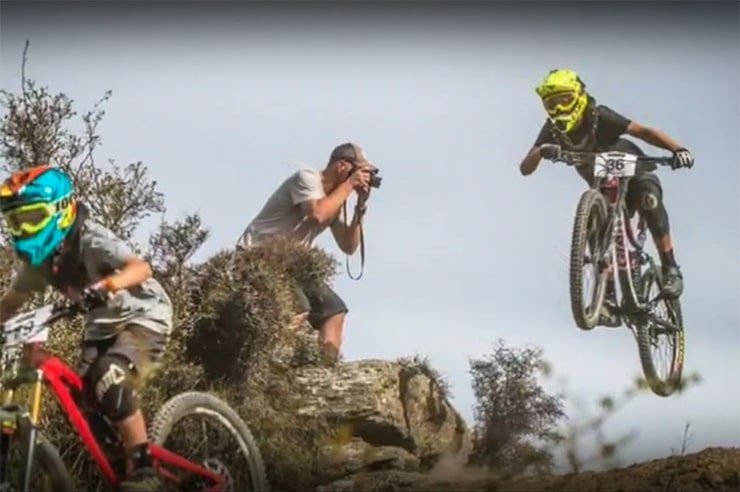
672, 282
608, 316
142, 480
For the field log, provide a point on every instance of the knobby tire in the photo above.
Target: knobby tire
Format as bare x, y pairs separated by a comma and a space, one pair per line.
591, 202
46, 460
193, 402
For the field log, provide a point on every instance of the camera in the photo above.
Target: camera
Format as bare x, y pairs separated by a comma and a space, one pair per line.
375, 180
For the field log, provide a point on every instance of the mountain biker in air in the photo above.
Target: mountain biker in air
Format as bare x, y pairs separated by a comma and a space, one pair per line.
577, 123
126, 330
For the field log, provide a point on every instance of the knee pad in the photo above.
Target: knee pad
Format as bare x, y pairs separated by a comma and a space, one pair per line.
110, 379
649, 200
652, 207
649, 195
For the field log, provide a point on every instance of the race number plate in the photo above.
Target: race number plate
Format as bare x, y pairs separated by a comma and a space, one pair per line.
615, 164
29, 327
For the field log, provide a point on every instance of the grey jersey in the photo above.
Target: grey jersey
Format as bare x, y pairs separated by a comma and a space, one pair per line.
100, 251
282, 213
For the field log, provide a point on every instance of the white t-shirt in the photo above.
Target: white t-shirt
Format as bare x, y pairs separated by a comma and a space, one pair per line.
282, 213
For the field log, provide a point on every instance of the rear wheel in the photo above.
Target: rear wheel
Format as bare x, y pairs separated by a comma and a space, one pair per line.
586, 245
660, 338
206, 430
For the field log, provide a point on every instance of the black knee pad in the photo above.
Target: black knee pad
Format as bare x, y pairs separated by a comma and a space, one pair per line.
650, 198
110, 379
650, 204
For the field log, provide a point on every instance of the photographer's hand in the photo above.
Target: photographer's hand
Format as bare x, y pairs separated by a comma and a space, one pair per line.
360, 180
362, 196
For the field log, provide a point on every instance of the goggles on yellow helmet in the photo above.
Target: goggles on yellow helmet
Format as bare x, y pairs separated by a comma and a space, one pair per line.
27, 220
560, 103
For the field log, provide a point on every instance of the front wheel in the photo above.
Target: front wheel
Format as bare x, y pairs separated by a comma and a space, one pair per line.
660, 326
238, 460
48, 473
586, 247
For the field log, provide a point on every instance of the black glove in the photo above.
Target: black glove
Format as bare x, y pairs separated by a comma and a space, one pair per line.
682, 158
94, 298
550, 151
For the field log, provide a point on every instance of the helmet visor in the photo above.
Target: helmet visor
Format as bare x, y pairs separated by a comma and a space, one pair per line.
560, 103
28, 220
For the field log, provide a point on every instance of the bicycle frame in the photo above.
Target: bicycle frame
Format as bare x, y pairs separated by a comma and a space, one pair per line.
621, 238
616, 250
62, 381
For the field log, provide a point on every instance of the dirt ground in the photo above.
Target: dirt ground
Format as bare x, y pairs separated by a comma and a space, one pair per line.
713, 469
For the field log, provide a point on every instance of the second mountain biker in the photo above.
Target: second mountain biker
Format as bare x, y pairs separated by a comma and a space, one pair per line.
577, 123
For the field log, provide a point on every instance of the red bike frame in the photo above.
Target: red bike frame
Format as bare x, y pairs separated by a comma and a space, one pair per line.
61, 379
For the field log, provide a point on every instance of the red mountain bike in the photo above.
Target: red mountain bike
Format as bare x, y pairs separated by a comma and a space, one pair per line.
605, 240
24, 451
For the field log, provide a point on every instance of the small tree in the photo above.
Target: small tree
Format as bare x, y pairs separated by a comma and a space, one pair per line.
512, 409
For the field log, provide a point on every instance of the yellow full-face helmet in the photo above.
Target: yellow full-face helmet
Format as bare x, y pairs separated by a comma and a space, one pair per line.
565, 99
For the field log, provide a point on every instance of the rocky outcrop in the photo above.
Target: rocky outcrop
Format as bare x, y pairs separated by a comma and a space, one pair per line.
386, 415
713, 469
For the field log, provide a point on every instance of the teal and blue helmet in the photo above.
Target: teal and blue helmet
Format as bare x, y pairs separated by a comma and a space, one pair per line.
39, 209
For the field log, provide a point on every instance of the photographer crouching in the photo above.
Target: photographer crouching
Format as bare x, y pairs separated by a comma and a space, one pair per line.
302, 207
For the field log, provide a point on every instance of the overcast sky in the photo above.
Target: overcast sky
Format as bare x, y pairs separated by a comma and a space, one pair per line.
222, 102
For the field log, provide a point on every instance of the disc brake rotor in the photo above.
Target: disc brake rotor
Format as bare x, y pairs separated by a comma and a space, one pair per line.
217, 467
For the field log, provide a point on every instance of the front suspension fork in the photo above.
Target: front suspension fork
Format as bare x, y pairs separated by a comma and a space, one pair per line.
32, 429
15, 423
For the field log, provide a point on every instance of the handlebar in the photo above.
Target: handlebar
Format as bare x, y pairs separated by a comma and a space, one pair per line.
91, 299
66, 311
572, 158
59, 311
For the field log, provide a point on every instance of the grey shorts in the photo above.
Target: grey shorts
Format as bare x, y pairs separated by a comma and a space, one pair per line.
141, 346
321, 303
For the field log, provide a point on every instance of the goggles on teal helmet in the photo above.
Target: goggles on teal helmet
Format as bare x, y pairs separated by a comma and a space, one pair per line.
38, 209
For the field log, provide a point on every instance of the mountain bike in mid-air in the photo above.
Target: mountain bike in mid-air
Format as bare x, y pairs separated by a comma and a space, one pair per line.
29, 462
605, 240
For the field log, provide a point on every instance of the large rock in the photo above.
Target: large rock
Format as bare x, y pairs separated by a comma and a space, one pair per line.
342, 460
386, 404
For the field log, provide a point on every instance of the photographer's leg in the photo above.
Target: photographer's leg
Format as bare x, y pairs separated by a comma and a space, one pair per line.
330, 335
328, 313
304, 308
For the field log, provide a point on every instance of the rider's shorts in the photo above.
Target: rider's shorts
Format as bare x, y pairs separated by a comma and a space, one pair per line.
140, 346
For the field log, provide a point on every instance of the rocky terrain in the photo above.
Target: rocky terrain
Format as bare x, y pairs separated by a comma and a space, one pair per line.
397, 432
713, 469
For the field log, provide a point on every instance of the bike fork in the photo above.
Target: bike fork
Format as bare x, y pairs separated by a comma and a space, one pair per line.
28, 467
32, 432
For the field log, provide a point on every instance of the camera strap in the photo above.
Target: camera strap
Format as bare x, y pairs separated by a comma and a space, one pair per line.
362, 247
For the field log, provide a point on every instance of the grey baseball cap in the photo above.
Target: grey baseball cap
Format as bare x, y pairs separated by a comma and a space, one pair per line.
350, 151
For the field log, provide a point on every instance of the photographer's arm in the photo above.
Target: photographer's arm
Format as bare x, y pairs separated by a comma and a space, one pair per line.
325, 209
348, 236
